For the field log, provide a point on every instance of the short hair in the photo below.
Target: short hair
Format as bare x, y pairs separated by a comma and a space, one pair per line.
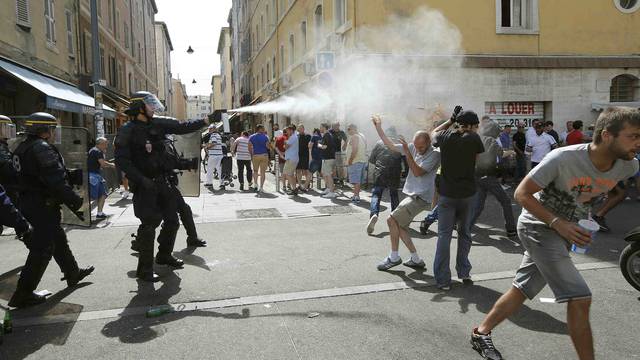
245, 133
613, 120
506, 126
325, 125
301, 125
352, 126
423, 134
292, 127
549, 122
259, 127
101, 140
577, 125
316, 130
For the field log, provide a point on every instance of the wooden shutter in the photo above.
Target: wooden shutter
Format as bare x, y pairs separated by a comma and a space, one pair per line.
22, 13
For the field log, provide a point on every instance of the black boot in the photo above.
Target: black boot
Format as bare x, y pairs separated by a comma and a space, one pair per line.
25, 299
149, 277
194, 241
134, 246
77, 276
170, 261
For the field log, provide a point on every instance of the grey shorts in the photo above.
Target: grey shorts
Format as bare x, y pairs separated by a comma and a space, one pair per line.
547, 261
408, 209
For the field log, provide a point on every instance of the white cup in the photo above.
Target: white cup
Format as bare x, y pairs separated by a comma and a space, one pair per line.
592, 227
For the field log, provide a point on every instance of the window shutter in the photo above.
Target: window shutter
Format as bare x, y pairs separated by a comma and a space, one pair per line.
70, 44
22, 13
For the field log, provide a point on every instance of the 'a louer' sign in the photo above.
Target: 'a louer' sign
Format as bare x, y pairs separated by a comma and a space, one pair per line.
514, 113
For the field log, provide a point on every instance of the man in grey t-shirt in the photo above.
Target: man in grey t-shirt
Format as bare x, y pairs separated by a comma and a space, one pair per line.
554, 196
419, 187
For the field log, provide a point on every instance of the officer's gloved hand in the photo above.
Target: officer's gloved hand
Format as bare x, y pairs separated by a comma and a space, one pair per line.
455, 113
25, 236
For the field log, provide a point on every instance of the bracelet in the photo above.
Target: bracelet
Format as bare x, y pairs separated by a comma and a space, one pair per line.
553, 221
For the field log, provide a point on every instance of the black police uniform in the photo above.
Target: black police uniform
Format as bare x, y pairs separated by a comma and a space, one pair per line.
10, 216
140, 152
8, 175
44, 186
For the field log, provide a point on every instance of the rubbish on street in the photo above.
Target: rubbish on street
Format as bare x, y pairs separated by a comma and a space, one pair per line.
160, 310
7, 323
313, 314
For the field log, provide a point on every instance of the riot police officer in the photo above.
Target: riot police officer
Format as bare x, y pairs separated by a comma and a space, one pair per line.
44, 187
141, 153
8, 177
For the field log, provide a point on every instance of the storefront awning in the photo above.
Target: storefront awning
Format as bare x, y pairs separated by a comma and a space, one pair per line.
60, 95
602, 106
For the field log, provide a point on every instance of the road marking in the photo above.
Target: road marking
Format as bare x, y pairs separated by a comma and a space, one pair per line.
273, 298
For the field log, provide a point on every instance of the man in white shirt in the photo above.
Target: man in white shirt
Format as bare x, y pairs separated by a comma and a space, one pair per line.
240, 150
539, 144
214, 149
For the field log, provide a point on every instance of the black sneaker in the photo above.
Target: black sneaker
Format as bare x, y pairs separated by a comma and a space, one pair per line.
23, 300
603, 224
483, 344
170, 261
75, 278
241, 187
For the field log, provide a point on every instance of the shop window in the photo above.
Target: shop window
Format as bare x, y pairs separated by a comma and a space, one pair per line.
624, 88
517, 16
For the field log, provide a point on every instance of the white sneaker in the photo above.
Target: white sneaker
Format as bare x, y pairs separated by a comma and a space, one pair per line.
125, 194
372, 224
329, 195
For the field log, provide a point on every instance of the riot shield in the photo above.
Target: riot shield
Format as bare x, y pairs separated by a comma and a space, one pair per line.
188, 147
74, 148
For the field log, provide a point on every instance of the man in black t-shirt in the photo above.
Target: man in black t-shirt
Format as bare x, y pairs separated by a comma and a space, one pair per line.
519, 144
340, 145
459, 149
97, 187
327, 145
302, 169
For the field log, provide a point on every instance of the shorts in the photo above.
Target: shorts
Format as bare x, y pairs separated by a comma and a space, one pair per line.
315, 166
327, 167
356, 172
408, 209
260, 161
289, 167
547, 261
97, 186
303, 164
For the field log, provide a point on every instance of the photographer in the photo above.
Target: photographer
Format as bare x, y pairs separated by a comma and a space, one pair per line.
459, 148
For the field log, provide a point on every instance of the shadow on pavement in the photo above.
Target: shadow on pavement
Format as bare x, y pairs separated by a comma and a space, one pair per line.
134, 330
482, 237
187, 255
8, 283
483, 298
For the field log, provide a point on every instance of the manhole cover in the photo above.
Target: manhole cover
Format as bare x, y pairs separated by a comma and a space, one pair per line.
258, 213
336, 209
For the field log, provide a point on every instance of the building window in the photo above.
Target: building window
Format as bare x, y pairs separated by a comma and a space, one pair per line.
113, 72
49, 21
281, 8
273, 66
292, 49
282, 59
627, 6
23, 17
624, 88
116, 29
110, 11
303, 30
268, 71
517, 16
340, 7
102, 70
319, 24
99, 5
69, 22
86, 52
126, 35
274, 13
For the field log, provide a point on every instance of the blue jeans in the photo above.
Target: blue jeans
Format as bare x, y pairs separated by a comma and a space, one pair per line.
491, 185
453, 211
376, 195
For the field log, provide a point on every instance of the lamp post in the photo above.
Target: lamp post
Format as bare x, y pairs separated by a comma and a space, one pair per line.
97, 75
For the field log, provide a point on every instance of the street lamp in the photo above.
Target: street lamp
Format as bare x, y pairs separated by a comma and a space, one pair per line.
190, 50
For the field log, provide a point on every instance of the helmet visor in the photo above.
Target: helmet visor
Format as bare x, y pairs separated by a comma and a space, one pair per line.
153, 103
7, 131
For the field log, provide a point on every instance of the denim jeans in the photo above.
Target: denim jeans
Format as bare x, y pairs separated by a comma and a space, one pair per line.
450, 212
376, 195
491, 185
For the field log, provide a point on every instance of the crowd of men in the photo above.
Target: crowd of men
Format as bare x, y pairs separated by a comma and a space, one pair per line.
450, 170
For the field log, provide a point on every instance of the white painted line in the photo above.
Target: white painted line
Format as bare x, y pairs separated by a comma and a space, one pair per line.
272, 298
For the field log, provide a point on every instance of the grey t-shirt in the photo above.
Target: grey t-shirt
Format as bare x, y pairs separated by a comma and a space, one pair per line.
571, 183
422, 186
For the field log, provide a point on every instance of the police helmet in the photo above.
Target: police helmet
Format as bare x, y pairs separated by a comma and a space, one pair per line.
40, 122
138, 101
7, 128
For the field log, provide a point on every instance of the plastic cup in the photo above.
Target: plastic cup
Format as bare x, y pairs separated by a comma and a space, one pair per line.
592, 227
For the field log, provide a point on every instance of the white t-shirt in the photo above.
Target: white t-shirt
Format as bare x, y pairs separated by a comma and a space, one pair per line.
541, 145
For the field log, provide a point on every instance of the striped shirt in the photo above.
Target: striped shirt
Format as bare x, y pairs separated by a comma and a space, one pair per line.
216, 140
242, 148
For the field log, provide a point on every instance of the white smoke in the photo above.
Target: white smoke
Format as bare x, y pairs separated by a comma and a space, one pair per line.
400, 70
